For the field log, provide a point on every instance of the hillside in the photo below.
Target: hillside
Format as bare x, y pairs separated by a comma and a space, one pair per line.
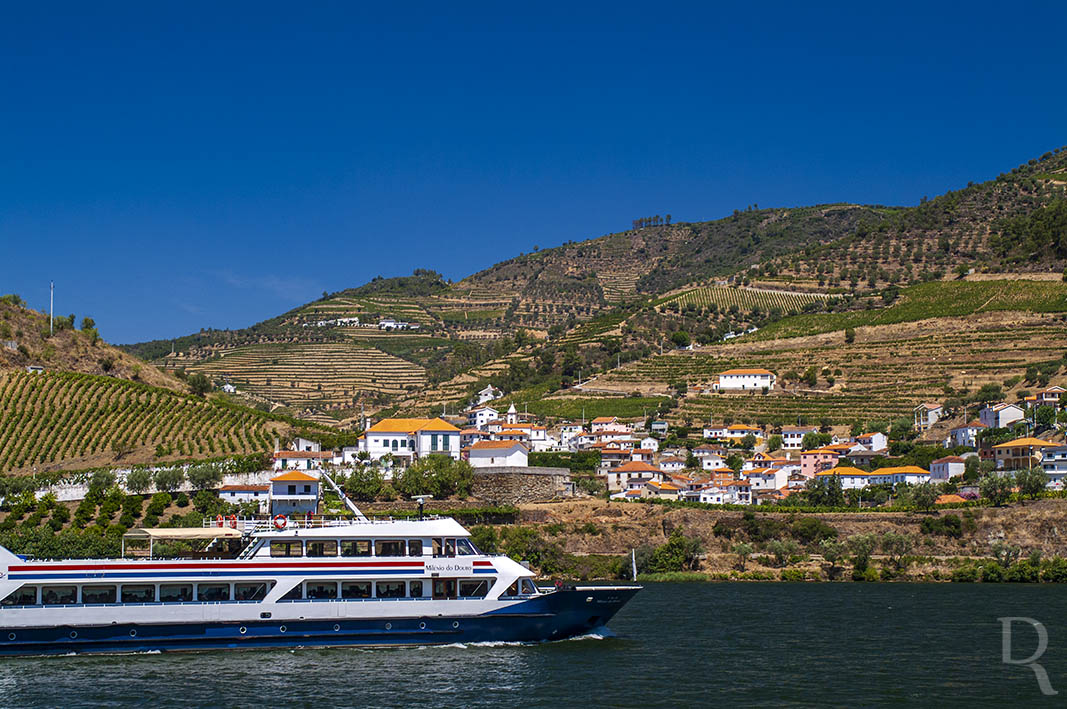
537, 321
25, 341
95, 405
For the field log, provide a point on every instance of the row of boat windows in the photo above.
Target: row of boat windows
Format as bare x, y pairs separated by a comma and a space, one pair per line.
368, 547
71, 594
68, 594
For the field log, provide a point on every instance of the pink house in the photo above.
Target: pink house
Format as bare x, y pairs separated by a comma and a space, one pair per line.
817, 460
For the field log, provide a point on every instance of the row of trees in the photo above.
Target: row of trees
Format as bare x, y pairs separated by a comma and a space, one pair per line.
656, 220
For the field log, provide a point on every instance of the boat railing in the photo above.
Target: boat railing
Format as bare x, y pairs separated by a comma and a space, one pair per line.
254, 524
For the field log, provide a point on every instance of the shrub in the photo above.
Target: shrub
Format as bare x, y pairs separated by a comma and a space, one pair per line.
812, 530
948, 525
1023, 572
1054, 570
992, 573
793, 575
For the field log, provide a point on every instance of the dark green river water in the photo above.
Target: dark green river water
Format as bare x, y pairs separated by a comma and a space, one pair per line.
673, 645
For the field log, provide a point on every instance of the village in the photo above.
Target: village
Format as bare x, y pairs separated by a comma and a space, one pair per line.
735, 464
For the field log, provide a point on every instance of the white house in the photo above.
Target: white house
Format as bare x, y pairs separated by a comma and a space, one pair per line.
948, 467
618, 477
926, 415
608, 423
793, 436
966, 435
240, 494
767, 478
489, 393
480, 416
851, 478
873, 441
228, 388
495, 454
1000, 415
410, 439
739, 492
1054, 463
649, 443
659, 427
672, 464
712, 495
745, 380
712, 431
294, 493
907, 474
306, 444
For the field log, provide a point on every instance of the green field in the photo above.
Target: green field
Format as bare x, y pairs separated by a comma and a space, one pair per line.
573, 408
936, 299
746, 299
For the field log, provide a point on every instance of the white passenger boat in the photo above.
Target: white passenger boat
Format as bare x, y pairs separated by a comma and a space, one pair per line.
308, 582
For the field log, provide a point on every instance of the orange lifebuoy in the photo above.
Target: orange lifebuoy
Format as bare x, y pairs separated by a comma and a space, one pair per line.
281, 522
219, 521
233, 521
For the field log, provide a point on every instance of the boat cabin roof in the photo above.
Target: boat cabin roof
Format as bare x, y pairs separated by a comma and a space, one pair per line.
374, 529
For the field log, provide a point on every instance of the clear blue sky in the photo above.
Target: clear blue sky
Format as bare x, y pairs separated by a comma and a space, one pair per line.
183, 165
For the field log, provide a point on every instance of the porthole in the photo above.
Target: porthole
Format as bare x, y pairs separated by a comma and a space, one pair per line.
242, 630
10, 636
336, 627
282, 629
388, 626
455, 624
73, 634
422, 626
133, 633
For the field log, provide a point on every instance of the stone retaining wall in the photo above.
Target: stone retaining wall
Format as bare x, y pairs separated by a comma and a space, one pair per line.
512, 485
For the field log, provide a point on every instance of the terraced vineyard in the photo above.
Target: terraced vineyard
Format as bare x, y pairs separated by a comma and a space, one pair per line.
746, 299
52, 420
327, 375
873, 379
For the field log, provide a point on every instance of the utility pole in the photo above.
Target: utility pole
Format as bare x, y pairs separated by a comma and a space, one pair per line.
51, 304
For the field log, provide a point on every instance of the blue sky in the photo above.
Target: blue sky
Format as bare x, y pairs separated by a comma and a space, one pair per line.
183, 165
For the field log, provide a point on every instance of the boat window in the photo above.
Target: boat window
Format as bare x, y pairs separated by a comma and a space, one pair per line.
249, 591
416, 589
474, 588
414, 547
323, 548
294, 594
390, 589
355, 547
321, 589
286, 548
438, 544
59, 595
175, 592
138, 593
465, 548
98, 594
213, 592
512, 590
25, 596
389, 547
450, 547
355, 589
444, 588
528, 587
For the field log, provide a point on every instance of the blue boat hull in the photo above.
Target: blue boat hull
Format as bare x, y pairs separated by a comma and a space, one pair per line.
555, 616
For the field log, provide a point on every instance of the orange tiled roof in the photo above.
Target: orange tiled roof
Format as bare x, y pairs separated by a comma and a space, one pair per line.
295, 476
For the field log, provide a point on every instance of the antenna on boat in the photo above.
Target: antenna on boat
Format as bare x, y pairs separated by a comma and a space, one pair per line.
348, 503
633, 562
421, 499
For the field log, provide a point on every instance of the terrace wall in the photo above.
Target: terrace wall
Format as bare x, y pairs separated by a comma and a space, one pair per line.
515, 485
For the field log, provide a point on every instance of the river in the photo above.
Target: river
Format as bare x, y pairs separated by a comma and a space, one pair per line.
696, 644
